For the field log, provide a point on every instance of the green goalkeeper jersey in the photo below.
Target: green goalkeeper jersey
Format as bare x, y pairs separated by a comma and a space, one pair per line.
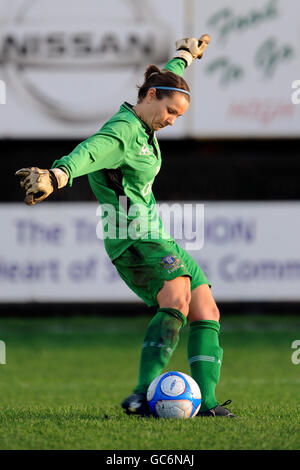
121, 161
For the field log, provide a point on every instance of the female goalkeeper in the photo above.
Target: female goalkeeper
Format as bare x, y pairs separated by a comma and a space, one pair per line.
121, 161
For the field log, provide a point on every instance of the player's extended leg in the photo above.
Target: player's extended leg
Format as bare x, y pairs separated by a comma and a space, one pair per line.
161, 339
204, 352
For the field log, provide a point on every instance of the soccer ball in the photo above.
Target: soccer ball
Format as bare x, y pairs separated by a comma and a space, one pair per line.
174, 395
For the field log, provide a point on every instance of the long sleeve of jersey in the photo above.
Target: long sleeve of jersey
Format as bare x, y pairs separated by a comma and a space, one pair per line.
105, 149
176, 65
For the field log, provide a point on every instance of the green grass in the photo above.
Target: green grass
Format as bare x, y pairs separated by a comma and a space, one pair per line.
65, 377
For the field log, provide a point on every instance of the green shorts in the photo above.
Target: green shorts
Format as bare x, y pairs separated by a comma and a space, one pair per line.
146, 264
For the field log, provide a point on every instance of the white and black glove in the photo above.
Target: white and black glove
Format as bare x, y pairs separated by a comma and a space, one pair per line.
39, 184
190, 49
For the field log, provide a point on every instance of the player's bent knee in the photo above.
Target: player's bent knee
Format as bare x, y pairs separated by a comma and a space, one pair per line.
209, 313
215, 313
176, 295
179, 302
182, 305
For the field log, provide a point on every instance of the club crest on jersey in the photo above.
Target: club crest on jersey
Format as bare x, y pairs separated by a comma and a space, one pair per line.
145, 150
171, 263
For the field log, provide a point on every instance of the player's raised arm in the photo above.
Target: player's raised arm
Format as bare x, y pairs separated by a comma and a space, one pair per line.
187, 49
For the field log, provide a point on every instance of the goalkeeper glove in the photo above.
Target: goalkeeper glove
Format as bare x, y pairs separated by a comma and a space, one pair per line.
39, 184
190, 49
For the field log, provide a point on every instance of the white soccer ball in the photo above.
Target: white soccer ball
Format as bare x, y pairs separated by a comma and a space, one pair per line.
174, 395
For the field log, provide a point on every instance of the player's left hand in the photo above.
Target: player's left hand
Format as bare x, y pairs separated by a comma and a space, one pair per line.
190, 49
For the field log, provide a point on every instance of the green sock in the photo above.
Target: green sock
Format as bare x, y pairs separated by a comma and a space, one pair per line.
160, 342
205, 358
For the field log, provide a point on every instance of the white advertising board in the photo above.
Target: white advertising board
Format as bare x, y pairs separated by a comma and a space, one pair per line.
50, 252
68, 66
249, 83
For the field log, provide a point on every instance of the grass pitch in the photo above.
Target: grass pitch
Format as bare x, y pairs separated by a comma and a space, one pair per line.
64, 379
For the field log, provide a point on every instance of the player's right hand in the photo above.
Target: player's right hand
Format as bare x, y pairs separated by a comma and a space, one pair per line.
38, 184
192, 48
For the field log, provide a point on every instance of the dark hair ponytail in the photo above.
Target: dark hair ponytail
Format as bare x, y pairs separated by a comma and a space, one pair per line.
153, 76
152, 69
